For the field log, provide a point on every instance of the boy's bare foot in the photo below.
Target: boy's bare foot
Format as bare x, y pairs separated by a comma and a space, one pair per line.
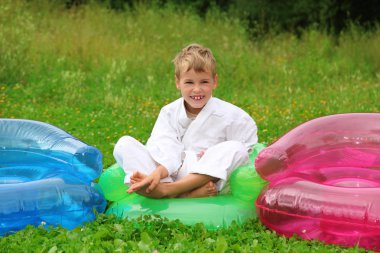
157, 193
207, 190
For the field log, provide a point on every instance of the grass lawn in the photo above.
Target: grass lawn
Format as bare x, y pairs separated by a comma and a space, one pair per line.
100, 75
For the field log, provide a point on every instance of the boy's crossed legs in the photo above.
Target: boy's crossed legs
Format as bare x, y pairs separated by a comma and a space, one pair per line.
191, 186
153, 182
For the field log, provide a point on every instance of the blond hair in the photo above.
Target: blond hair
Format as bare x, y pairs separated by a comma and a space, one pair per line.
196, 57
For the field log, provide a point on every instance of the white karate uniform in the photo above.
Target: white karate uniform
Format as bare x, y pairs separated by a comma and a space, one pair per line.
222, 130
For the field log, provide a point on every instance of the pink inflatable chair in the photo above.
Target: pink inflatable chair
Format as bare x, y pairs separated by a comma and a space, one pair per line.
325, 181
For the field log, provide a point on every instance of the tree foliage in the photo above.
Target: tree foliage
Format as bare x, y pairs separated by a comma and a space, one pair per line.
275, 15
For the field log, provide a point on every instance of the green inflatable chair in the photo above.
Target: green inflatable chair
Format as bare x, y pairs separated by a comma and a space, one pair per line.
214, 212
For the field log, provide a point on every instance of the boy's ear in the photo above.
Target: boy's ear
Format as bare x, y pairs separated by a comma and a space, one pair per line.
177, 82
215, 81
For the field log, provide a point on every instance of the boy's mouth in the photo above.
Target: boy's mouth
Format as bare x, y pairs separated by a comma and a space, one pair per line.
197, 97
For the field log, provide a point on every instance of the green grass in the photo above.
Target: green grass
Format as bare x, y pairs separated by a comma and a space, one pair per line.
100, 74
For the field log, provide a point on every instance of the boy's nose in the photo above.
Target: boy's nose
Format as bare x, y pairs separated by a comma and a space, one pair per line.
197, 87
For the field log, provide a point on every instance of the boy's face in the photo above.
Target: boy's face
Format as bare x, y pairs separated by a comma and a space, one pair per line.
196, 89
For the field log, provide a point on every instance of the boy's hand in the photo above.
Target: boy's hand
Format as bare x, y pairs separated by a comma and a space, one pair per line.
150, 181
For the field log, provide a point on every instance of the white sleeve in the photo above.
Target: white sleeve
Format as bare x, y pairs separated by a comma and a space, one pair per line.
163, 144
244, 130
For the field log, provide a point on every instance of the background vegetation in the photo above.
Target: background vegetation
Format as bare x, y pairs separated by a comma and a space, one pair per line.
99, 74
275, 15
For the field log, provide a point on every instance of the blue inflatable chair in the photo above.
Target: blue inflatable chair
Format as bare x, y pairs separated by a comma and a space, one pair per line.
46, 177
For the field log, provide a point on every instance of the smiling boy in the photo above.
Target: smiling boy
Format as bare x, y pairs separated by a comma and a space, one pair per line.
197, 140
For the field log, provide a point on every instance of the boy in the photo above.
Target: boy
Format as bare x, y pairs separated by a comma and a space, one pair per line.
197, 140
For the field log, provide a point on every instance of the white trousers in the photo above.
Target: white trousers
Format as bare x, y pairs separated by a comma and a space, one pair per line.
217, 161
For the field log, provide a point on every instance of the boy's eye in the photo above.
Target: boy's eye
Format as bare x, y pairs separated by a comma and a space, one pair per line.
205, 82
188, 82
